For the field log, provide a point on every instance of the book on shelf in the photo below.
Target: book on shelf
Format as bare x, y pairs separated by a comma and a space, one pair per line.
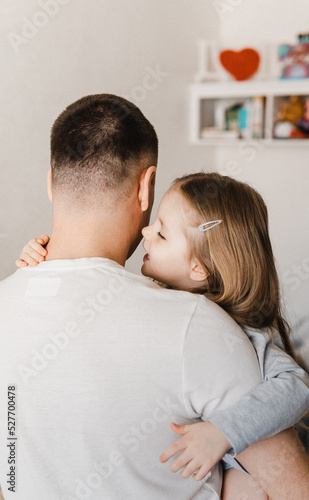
240, 119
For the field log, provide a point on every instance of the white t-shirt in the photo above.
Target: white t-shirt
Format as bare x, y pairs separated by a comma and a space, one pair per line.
99, 361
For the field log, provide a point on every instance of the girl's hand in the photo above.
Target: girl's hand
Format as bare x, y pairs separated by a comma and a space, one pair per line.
202, 447
34, 252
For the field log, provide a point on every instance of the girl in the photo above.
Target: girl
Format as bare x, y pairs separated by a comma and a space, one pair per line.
211, 237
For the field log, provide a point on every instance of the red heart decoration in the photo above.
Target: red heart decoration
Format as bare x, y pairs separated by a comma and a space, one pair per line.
241, 65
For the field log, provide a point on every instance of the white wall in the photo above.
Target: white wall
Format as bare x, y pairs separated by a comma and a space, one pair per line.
250, 22
90, 47
281, 174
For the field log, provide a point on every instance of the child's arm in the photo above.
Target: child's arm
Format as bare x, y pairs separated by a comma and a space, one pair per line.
271, 407
34, 252
276, 404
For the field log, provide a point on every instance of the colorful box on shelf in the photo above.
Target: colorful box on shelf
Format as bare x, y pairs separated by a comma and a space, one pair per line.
294, 60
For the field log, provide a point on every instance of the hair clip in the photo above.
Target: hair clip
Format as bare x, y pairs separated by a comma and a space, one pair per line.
209, 225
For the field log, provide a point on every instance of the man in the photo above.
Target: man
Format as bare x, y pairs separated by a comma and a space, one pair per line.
95, 360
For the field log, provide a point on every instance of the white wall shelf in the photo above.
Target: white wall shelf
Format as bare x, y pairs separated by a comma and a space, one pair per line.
204, 95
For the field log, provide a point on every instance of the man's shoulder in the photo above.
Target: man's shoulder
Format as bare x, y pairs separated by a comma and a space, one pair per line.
159, 290
210, 321
8, 280
11, 286
214, 311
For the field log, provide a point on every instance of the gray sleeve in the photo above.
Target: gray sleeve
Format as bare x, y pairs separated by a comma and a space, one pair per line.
271, 407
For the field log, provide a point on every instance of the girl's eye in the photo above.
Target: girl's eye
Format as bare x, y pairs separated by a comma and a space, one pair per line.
160, 235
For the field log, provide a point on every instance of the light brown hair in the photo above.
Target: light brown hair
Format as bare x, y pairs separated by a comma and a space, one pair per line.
237, 253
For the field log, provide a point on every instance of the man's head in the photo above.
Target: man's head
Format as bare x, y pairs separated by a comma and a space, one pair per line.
103, 153
99, 147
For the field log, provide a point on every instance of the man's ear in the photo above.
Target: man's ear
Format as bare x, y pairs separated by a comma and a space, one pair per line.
146, 188
49, 185
197, 271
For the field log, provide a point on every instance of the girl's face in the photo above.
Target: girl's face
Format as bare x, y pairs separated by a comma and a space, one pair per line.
167, 259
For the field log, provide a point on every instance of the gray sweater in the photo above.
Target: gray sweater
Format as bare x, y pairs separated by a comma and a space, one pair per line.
271, 407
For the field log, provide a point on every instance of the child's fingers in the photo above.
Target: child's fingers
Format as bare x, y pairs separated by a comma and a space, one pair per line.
181, 461
30, 260
201, 474
180, 429
43, 239
191, 467
21, 263
31, 255
35, 246
173, 448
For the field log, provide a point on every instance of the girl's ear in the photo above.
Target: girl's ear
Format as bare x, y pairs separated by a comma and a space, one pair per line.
198, 272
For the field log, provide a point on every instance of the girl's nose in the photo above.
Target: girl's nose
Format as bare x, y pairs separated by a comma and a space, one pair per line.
146, 232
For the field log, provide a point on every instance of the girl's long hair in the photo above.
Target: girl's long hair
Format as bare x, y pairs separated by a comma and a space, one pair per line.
237, 253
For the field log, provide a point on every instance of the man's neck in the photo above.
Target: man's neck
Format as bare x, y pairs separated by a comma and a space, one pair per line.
88, 238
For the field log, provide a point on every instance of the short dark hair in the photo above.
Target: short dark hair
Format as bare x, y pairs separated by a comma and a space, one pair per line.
100, 142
